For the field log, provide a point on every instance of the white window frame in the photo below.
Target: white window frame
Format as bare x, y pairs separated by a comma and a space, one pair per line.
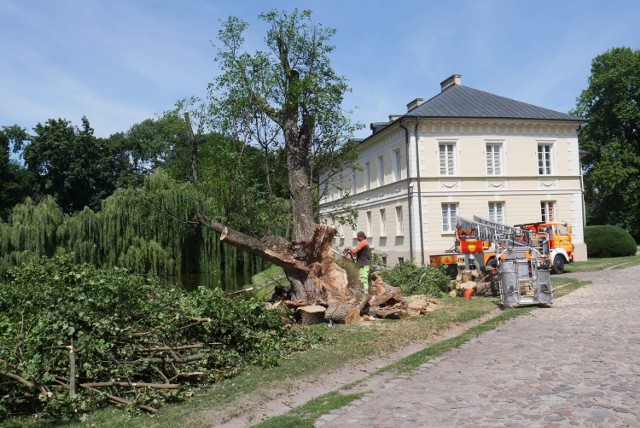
447, 159
367, 176
449, 217
399, 221
496, 212
398, 166
547, 214
494, 150
383, 222
545, 157
381, 170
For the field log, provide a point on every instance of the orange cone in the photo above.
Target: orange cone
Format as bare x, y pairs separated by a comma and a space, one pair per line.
467, 293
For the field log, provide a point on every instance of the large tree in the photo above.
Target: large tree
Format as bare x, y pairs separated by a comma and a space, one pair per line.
611, 139
286, 96
15, 181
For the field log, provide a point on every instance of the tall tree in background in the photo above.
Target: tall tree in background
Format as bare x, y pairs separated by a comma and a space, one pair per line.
15, 181
611, 138
69, 163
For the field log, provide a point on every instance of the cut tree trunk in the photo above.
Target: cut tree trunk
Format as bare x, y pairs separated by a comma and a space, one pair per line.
311, 314
343, 312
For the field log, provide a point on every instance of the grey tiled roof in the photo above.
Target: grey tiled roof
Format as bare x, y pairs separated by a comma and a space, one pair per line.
462, 101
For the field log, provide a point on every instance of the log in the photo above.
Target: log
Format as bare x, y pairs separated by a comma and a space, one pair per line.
389, 313
342, 312
383, 294
313, 314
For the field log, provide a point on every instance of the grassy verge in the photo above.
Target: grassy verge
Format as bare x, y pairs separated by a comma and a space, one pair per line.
593, 265
305, 416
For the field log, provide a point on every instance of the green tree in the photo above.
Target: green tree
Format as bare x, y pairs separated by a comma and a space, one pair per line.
611, 139
16, 181
69, 163
286, 95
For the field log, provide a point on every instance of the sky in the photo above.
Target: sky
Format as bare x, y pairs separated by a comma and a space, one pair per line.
120, 62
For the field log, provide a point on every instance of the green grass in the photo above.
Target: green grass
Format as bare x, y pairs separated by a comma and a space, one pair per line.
305, 416
594, 264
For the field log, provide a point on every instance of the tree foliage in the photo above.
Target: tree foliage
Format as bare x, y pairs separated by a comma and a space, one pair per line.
124, 329
413, 279
16, 181
144, 229
611, 138
287, 95
609, 241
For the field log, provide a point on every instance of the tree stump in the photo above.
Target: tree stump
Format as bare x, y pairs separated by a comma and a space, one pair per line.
342, 312
313, 314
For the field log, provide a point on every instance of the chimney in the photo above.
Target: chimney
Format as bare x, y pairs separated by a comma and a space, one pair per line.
393, 117
415, 103
454, 79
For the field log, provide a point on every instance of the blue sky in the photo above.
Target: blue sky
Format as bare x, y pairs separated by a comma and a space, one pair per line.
120, 62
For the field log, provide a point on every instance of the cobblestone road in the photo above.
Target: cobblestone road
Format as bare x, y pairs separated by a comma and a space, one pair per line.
575, 364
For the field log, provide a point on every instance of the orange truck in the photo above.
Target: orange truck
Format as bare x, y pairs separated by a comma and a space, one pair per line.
560, 242
469, 248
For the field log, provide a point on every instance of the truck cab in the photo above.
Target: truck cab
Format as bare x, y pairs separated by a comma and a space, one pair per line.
560, 241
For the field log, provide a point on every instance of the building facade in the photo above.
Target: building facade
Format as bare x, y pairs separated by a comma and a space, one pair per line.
463, 152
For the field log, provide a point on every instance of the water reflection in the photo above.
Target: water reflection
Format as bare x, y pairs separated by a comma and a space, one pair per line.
228, 282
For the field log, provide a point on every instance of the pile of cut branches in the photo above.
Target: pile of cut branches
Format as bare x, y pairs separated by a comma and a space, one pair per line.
73, 338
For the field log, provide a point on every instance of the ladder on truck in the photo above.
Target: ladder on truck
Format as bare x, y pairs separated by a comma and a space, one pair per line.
494, 232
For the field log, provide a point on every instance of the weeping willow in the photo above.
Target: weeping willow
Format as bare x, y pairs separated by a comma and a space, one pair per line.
143, 229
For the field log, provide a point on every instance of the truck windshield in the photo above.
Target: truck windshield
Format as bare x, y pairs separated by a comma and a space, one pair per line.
561, 230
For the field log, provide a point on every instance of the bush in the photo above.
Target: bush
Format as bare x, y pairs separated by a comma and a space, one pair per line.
414, 279
609, 241
125, 328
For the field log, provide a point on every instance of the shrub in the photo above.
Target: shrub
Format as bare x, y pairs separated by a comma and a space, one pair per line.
125, 328
609, 241
414, 279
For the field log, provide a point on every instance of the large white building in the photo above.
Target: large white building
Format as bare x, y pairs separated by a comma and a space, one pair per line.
463, 152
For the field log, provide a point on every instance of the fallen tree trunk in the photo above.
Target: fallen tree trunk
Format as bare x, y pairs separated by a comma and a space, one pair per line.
343, 312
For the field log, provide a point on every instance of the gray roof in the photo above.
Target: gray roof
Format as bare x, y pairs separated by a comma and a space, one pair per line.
462, 101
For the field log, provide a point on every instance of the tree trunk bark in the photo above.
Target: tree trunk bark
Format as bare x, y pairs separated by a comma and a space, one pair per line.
342, 312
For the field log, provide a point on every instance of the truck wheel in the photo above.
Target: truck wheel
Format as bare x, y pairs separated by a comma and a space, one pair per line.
558, 264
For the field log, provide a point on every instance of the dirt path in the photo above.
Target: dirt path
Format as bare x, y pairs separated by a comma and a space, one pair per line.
249, 410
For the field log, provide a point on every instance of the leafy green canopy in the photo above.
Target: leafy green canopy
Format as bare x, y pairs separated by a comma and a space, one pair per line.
608, 241
145, 230
285, 96
611, 138
119, 324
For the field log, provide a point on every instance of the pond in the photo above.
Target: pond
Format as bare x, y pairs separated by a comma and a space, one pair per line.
229, 282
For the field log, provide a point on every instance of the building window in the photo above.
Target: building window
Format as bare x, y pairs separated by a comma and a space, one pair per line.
548, 210
367, 176
494, 159
447, 158
400, 259
368, 230
544, 159
354, 188
380, 170
399, 222
496, 212
449, 217
397, 172
383, 223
